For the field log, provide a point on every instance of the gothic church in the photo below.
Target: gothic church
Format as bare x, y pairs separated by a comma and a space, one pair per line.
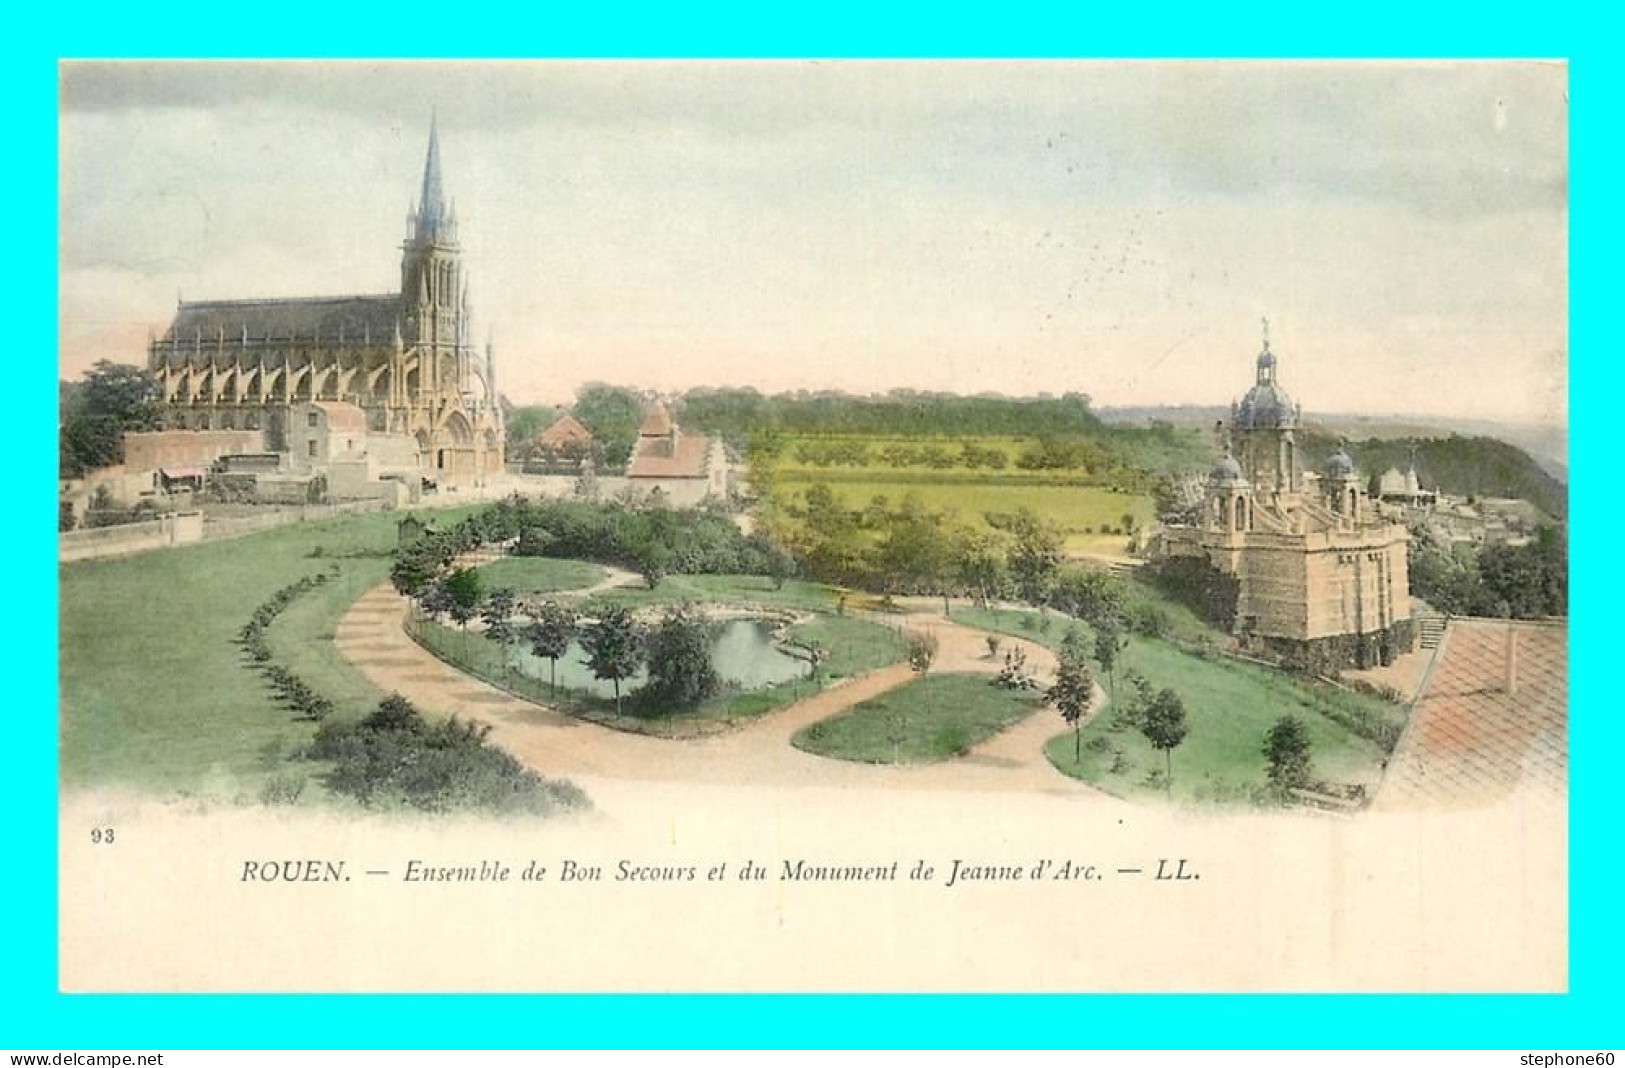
405, 359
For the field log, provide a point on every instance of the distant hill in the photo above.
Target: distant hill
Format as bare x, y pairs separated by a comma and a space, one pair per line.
1463, 457
1545, 443
1458, 465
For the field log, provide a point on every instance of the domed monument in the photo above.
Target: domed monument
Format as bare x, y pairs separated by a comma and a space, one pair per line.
1320, 575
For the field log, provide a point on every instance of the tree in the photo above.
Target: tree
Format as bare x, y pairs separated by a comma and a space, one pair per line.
613, 414
499, 625
922, 650
614, 648
681, 672
779, 564
915, 554
411, 572
526, 421
1088, 593
1035, 555
552, 628
982, 564
653, 560
462, 589
1109, 641
1075, 644
1163, 724
112, 399
1286, 747
394, 713
1072, 693
434, 599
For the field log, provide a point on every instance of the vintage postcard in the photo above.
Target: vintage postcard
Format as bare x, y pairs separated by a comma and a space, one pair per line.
814, 526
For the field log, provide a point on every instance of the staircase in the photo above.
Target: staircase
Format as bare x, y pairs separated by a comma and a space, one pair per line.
1430, 631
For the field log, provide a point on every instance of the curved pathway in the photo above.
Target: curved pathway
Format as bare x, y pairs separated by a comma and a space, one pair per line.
371, 635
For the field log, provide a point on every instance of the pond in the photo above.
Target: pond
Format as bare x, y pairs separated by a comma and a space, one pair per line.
742, 651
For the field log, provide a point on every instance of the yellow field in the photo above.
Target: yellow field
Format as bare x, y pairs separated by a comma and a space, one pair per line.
1078, 511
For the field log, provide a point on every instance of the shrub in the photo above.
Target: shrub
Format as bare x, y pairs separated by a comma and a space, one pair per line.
282, 789
394, 758
922, 650
951, 741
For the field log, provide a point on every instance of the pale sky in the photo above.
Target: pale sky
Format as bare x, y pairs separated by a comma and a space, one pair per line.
1113, 228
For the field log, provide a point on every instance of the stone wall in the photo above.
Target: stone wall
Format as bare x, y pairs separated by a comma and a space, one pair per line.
1329, 655
153, 449
179, 528
1358, 589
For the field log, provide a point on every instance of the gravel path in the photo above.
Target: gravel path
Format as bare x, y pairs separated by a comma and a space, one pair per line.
759, 753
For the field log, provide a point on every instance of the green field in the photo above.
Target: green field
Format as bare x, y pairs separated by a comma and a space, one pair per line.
156, 693
1099, 458
1229, 705
931, 719
1079, 512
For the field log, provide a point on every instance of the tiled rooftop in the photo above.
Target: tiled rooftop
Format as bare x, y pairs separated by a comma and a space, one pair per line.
1473, 738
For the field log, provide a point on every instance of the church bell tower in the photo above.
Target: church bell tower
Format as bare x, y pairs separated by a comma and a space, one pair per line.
433, 287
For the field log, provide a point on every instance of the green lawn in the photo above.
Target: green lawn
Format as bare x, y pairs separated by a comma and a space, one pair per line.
1180, 624
741, 590
527, 575
155, 691
1229, 705
931, 719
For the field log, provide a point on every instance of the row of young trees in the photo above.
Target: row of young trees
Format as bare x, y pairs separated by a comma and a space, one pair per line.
1159, 716
393, 756
848, 452
616, 646
291, 690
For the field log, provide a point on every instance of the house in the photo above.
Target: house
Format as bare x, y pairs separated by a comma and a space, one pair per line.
676, 469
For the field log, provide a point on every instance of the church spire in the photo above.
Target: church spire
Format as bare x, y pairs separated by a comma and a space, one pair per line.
432, 204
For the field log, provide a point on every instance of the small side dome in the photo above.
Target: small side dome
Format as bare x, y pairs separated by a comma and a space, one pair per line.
1227, 471
1340, 465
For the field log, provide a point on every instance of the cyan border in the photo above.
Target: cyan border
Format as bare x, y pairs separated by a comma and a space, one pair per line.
36, 1016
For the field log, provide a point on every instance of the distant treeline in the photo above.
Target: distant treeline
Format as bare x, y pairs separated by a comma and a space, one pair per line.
743, 417
736, 413
1460, 466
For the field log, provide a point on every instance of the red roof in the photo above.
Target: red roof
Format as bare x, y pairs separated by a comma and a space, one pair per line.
1494, 718
652, 459
565, 429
